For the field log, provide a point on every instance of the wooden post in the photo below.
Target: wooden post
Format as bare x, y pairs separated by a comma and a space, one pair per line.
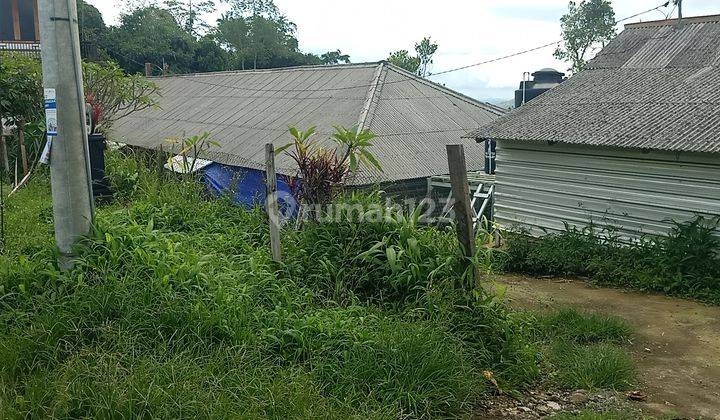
271, 203
3, 149
21, 143
148, 69
461, 195
165, 68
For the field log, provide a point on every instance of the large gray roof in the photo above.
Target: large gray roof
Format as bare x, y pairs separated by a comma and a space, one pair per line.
655, 86
413, 118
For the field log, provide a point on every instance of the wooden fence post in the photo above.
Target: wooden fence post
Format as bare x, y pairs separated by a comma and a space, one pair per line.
21, 142
461, 195
271, 203
148, 69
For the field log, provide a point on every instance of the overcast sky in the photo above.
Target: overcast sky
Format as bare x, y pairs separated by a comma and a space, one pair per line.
467, 31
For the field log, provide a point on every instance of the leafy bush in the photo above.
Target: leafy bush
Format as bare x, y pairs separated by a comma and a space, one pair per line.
112, 94
323, 171
685, 262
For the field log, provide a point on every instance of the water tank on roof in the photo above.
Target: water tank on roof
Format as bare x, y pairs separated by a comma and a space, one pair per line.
543, 80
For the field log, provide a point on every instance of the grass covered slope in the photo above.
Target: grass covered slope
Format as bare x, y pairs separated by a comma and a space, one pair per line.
175, 310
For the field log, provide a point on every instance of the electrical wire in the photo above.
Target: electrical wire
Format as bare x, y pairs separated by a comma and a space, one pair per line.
666, 4
194, 77
538, 48
495, 59
667, 16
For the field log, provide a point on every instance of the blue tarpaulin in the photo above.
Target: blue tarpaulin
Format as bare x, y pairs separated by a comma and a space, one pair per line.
247, 186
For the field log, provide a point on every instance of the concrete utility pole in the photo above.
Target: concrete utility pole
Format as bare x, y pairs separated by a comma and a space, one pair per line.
69, 163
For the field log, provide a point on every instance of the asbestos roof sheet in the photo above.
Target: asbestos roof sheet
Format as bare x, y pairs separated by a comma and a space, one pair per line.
653, 87
413, 118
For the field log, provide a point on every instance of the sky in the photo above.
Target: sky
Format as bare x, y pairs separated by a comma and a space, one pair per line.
467, 32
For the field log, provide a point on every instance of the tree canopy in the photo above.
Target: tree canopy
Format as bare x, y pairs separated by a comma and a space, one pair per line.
585, 26
253, 34
334, 57
151, 34
419, 63
404, 60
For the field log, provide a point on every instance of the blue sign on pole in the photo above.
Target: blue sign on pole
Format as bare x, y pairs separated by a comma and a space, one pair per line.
51, 121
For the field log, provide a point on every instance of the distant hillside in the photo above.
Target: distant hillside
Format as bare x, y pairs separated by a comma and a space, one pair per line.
502, 103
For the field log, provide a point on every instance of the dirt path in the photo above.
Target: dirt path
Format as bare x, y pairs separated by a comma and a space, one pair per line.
676, 344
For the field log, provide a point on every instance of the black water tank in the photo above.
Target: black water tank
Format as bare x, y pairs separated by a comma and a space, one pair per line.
543, 80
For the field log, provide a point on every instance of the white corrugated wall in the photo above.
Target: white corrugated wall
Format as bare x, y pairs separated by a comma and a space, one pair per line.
540, 186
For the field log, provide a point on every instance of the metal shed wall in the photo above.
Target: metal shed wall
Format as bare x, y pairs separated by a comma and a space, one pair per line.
540, 186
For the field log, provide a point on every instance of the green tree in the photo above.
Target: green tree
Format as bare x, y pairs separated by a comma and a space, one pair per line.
93, 31
419, 63
210, 56
188, 13
21, 101
425, 50
260, 37
21, 96
112, 94
247, 8
404, 60
233, 33
585, 26
334, 57
151, 35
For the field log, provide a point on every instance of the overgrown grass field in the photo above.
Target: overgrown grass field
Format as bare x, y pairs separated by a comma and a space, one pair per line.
174, 309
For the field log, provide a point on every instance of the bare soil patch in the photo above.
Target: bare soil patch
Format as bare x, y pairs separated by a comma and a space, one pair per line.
676, 344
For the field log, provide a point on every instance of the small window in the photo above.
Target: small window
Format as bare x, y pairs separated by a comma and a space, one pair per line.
7, 32
26, 9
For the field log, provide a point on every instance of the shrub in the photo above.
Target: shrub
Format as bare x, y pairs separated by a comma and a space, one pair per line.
685, 262
322, 171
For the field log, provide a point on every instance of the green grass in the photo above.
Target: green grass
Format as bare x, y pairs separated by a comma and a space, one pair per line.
175, 310
570, 325
28, 218
685, 262
584, 350
592, 366
593, 415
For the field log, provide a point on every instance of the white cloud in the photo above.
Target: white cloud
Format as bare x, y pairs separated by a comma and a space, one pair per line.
467, 31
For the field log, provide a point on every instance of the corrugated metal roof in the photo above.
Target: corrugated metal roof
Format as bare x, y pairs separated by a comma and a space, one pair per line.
413, 118
653, 87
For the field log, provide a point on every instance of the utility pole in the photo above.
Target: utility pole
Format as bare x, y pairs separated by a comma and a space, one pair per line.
678, 3
72, 200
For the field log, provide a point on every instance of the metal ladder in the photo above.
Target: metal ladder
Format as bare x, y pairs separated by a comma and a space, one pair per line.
477, 213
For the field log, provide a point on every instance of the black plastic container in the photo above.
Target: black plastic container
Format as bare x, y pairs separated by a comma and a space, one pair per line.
100, 184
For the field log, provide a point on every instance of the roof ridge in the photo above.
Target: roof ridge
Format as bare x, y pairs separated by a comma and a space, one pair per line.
480, 104
673, 21
373, 92
274, 69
